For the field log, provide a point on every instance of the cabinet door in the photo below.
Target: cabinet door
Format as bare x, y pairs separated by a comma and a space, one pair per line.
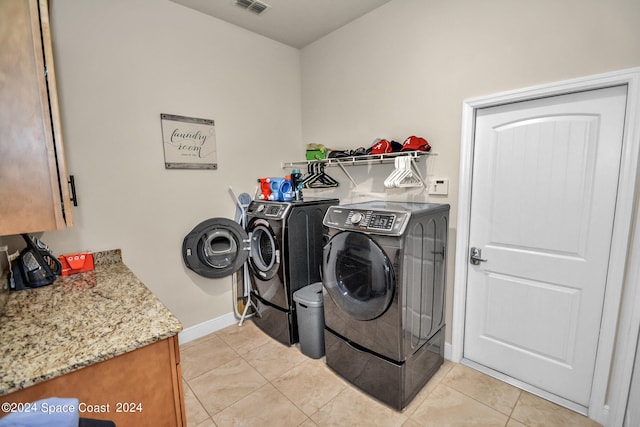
34, 195
140, 388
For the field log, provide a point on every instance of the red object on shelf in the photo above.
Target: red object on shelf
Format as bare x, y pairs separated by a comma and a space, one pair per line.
76, 263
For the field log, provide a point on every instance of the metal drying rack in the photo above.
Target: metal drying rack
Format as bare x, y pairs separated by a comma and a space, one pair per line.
367, 159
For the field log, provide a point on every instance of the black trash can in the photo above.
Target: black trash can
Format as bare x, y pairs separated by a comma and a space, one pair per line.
310, 315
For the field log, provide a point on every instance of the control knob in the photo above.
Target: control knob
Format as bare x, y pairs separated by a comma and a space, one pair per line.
356, 217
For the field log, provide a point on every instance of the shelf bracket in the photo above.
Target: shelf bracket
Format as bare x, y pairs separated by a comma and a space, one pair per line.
417, 171
348, 175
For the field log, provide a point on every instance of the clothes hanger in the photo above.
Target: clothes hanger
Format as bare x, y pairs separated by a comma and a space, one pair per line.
319, 178
390, 181
309, 176
326, 179
403, 174
313, 176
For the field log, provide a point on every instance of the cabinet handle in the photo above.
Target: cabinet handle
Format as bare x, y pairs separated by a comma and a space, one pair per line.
72, 183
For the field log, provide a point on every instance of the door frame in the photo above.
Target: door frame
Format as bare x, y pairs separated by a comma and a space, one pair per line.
621, 317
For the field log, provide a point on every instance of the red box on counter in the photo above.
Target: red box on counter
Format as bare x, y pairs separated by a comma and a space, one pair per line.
76, 263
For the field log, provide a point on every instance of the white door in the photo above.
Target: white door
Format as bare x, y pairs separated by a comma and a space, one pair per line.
632, 416
545, 179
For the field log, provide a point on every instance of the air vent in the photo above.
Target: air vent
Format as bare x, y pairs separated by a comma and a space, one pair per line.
254, 6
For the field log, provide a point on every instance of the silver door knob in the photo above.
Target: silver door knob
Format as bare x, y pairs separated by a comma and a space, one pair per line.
475, 257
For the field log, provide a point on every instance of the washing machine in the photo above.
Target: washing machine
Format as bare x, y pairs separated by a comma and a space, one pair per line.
384, 294
286, 241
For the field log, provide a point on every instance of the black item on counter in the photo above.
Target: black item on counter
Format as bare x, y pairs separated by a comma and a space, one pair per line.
36, 266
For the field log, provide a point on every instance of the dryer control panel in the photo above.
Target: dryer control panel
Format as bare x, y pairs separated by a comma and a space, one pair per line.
370, 221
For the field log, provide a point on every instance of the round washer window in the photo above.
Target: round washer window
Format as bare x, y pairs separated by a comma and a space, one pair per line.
263, 249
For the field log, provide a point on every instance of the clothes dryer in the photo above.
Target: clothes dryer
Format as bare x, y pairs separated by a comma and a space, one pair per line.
286, 240
384, 292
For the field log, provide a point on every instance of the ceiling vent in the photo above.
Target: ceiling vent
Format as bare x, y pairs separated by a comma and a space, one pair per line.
254, 6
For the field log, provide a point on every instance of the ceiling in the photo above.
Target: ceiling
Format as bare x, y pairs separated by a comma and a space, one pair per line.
293, 22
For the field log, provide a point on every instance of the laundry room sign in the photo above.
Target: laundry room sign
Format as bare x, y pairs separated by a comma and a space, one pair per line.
189, 143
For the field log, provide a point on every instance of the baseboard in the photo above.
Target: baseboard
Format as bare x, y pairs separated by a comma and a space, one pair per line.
447, 350
205, 328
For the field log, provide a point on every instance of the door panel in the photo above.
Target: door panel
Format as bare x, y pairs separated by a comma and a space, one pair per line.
549, 160
544, 188
559, 318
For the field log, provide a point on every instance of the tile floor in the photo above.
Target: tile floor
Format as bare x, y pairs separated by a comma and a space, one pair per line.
240, 376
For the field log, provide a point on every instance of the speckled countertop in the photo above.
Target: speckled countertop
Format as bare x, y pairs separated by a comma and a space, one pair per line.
79, 320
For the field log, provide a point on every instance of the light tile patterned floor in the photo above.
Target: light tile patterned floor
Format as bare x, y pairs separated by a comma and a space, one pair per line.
240, 376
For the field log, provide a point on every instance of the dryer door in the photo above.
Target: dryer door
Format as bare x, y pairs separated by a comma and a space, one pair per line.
215, 248
358, 275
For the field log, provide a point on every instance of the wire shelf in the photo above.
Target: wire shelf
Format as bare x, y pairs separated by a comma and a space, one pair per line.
368, 159
361, 160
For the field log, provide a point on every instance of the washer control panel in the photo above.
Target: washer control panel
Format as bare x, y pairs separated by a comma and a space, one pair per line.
366, 220
273, 210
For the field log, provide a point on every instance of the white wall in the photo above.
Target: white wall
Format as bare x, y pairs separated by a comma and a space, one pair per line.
405, 68
120, 64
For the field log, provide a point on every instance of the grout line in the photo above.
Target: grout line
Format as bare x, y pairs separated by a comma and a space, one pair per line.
419, 402
292, 402
270, 382
199, 402
479, 401
516, 404
484, 403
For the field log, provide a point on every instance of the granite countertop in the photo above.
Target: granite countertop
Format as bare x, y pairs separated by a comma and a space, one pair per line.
79, 320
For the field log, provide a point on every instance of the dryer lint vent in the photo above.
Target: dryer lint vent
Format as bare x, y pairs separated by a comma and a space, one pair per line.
254, 6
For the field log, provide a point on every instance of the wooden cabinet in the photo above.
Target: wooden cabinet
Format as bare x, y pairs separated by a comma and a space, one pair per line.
139, 388
34, 195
